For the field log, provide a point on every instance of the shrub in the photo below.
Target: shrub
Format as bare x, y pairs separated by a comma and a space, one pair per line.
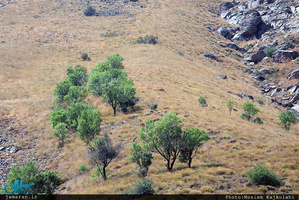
269, 50
83, 168
116, 61
89, 11
85, 57
73, 113
154, 106
245, 116
143, 187
45, 182
77, 75
76, 94
260, 175
61, 90
89, 124
147, 40
60, 131
258, 120
287, 119
260, 101
109, 34
203, 102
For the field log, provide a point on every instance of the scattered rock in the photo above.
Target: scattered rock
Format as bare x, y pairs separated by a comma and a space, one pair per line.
266, 71
161, 90
283, 55
269, 187
233, 141
287, 104
226, 6
296, 97
294, 88
209, 55
294, 74
234, 46
134, 116
225, 33
256, 57
221, 76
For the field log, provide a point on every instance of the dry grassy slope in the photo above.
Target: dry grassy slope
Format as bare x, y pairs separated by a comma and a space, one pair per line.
39, 47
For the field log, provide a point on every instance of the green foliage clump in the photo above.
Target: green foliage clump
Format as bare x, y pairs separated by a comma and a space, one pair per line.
58, 116
287, 118
85, 57
230, 105
260, 101
269, 50
116, 61
73, 113
44, 183
249, 111
147, 40
164, 137
143, 187
258, 120
60, 131
90, 11
89, 124
191, 140
62, 89
203, 102
141, 155
83, 168
260, 175
77, 75
102, 152
76, 94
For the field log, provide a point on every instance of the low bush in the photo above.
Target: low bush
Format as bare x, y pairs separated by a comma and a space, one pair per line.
90, 11
269, 50
83, 169
143, 187
203, 102
85, 57
147, 40
260, 175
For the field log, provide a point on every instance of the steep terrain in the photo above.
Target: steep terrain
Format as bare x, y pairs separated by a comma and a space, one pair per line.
40, 39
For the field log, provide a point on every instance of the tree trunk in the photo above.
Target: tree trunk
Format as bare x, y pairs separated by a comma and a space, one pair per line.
169, 168
104, 173
114, 109
189, 163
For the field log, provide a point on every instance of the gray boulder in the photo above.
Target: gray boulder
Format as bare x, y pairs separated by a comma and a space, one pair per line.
221, 76
223, 31
294, 74
226, 6
209, 55
250, 26
266, 71
296, 97
235, 47
256, 57
282, 55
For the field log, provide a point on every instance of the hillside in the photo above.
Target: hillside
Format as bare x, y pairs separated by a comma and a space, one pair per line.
40, 39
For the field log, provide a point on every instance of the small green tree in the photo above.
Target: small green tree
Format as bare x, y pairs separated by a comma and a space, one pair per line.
230, 105
60, 131
260, 175
61, 90
73, 113
118, 91
44, 183
76, 94
249, 110
102, 153
116, 61
287, 118
203, 102
164, 137
142, 156
77, 75
143, 187
89, 124
58, 116
192, 139
90, 11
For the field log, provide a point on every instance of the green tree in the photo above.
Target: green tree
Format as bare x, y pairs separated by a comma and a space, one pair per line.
287, 118
116, 61
249, 110
99, 80
230, 105
142, 156
164, 137
102, 67
29, 172
89, 124
62, 89
191, 140
118, 91
76, 94
73, 113
60, 131
58, 116
102, 152
77, 75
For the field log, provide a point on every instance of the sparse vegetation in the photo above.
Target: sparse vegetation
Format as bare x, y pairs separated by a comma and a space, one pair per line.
77, 75
153, 106
90, 11
143, 187
287, 118
83, 169
76, 94
202, 101
60, 131
269, 50
102, 153
260, 175
109, 34
85, 57
249, 111
260, 101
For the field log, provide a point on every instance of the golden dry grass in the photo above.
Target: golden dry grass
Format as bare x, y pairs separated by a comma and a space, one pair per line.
39, 48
